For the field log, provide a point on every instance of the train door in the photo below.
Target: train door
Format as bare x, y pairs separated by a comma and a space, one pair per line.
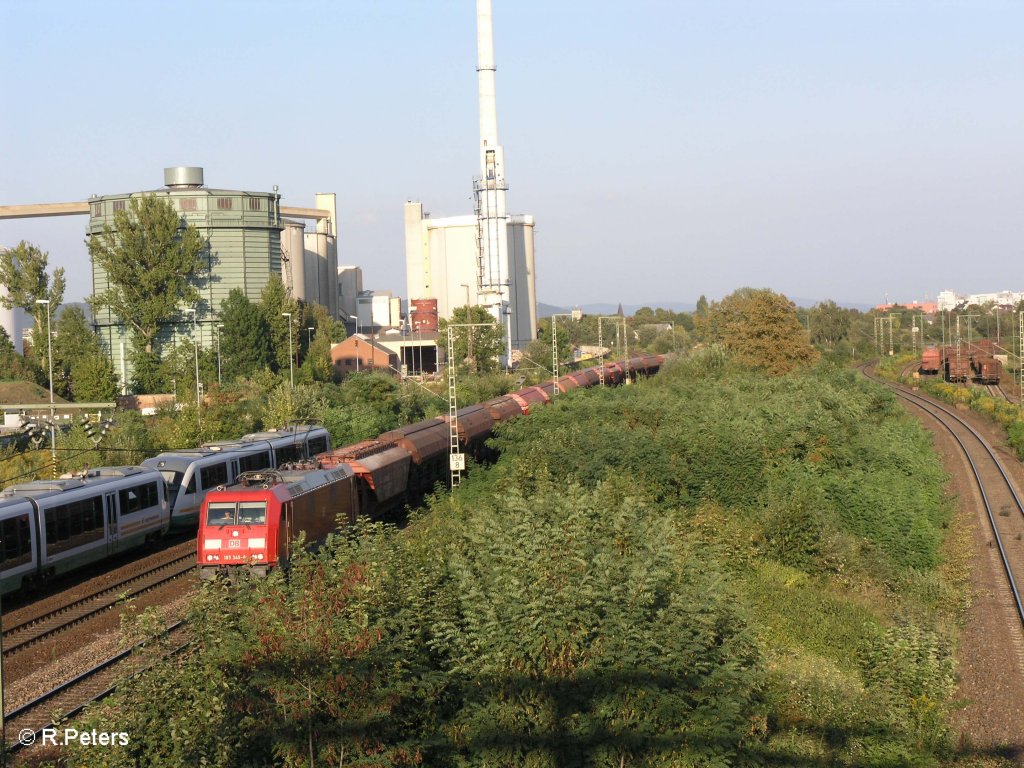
139, 512
110, 503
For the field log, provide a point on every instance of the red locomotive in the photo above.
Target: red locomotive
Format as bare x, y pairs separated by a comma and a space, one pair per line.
255, 521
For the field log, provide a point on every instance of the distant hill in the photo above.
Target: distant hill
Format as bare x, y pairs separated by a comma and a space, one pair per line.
546, 310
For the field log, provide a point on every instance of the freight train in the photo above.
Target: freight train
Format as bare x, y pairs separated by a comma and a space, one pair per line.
963, 362
251, 525
930, 361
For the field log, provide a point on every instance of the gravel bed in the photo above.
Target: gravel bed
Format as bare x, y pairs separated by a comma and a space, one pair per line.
41, 668
51, 601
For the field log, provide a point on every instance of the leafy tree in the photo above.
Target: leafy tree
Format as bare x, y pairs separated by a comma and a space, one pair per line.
761, 330
538, 351
177, 372
12, 364
146, 375
82, 368
23, 273
830, 323
488, 342
274, 302
234, 408
245, 344
316, 347
93, 378
304, 403
579, 632
151, 262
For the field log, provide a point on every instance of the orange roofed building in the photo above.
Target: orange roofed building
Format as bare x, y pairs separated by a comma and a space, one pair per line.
927, 307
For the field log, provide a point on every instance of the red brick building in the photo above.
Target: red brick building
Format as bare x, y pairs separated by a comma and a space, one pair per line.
360, 353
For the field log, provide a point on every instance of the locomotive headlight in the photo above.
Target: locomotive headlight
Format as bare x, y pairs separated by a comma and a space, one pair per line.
209, 558
257, 543
211, 544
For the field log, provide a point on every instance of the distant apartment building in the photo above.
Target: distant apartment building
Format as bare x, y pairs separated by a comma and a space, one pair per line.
951, 300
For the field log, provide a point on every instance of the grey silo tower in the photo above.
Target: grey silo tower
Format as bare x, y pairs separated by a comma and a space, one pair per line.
243, 230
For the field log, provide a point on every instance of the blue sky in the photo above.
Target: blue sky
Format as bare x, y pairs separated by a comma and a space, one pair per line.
826, 149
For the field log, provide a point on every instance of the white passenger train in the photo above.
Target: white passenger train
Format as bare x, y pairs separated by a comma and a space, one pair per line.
49, 527
190, 475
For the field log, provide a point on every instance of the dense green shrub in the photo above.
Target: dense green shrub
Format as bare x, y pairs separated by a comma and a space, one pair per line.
707, 568
581, 631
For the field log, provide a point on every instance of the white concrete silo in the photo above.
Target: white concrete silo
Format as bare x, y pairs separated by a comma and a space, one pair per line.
293, 258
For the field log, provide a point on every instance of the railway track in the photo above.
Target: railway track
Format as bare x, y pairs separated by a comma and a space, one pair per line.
996, 391
1003, 506
34, 630
27, 723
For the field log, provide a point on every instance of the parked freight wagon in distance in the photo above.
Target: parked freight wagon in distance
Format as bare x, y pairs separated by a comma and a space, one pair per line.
930, 361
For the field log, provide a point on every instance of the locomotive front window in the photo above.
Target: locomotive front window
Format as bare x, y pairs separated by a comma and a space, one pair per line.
220, 513
252, 513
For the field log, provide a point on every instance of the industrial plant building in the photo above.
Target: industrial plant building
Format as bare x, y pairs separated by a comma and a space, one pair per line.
245, 247
486, 258
250, 237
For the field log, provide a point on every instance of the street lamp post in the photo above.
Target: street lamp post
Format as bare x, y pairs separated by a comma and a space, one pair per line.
291, 365
49, 355
469, 331
219, 329
309, 337
195, 342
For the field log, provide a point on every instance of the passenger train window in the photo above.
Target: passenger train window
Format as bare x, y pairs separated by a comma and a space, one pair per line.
317, 445
191, 487
16, 542
252, 463
74, 524
141, 497
214, 475
288, 453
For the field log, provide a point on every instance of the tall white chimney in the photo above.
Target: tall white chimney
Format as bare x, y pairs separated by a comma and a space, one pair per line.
492, 210
485, 74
